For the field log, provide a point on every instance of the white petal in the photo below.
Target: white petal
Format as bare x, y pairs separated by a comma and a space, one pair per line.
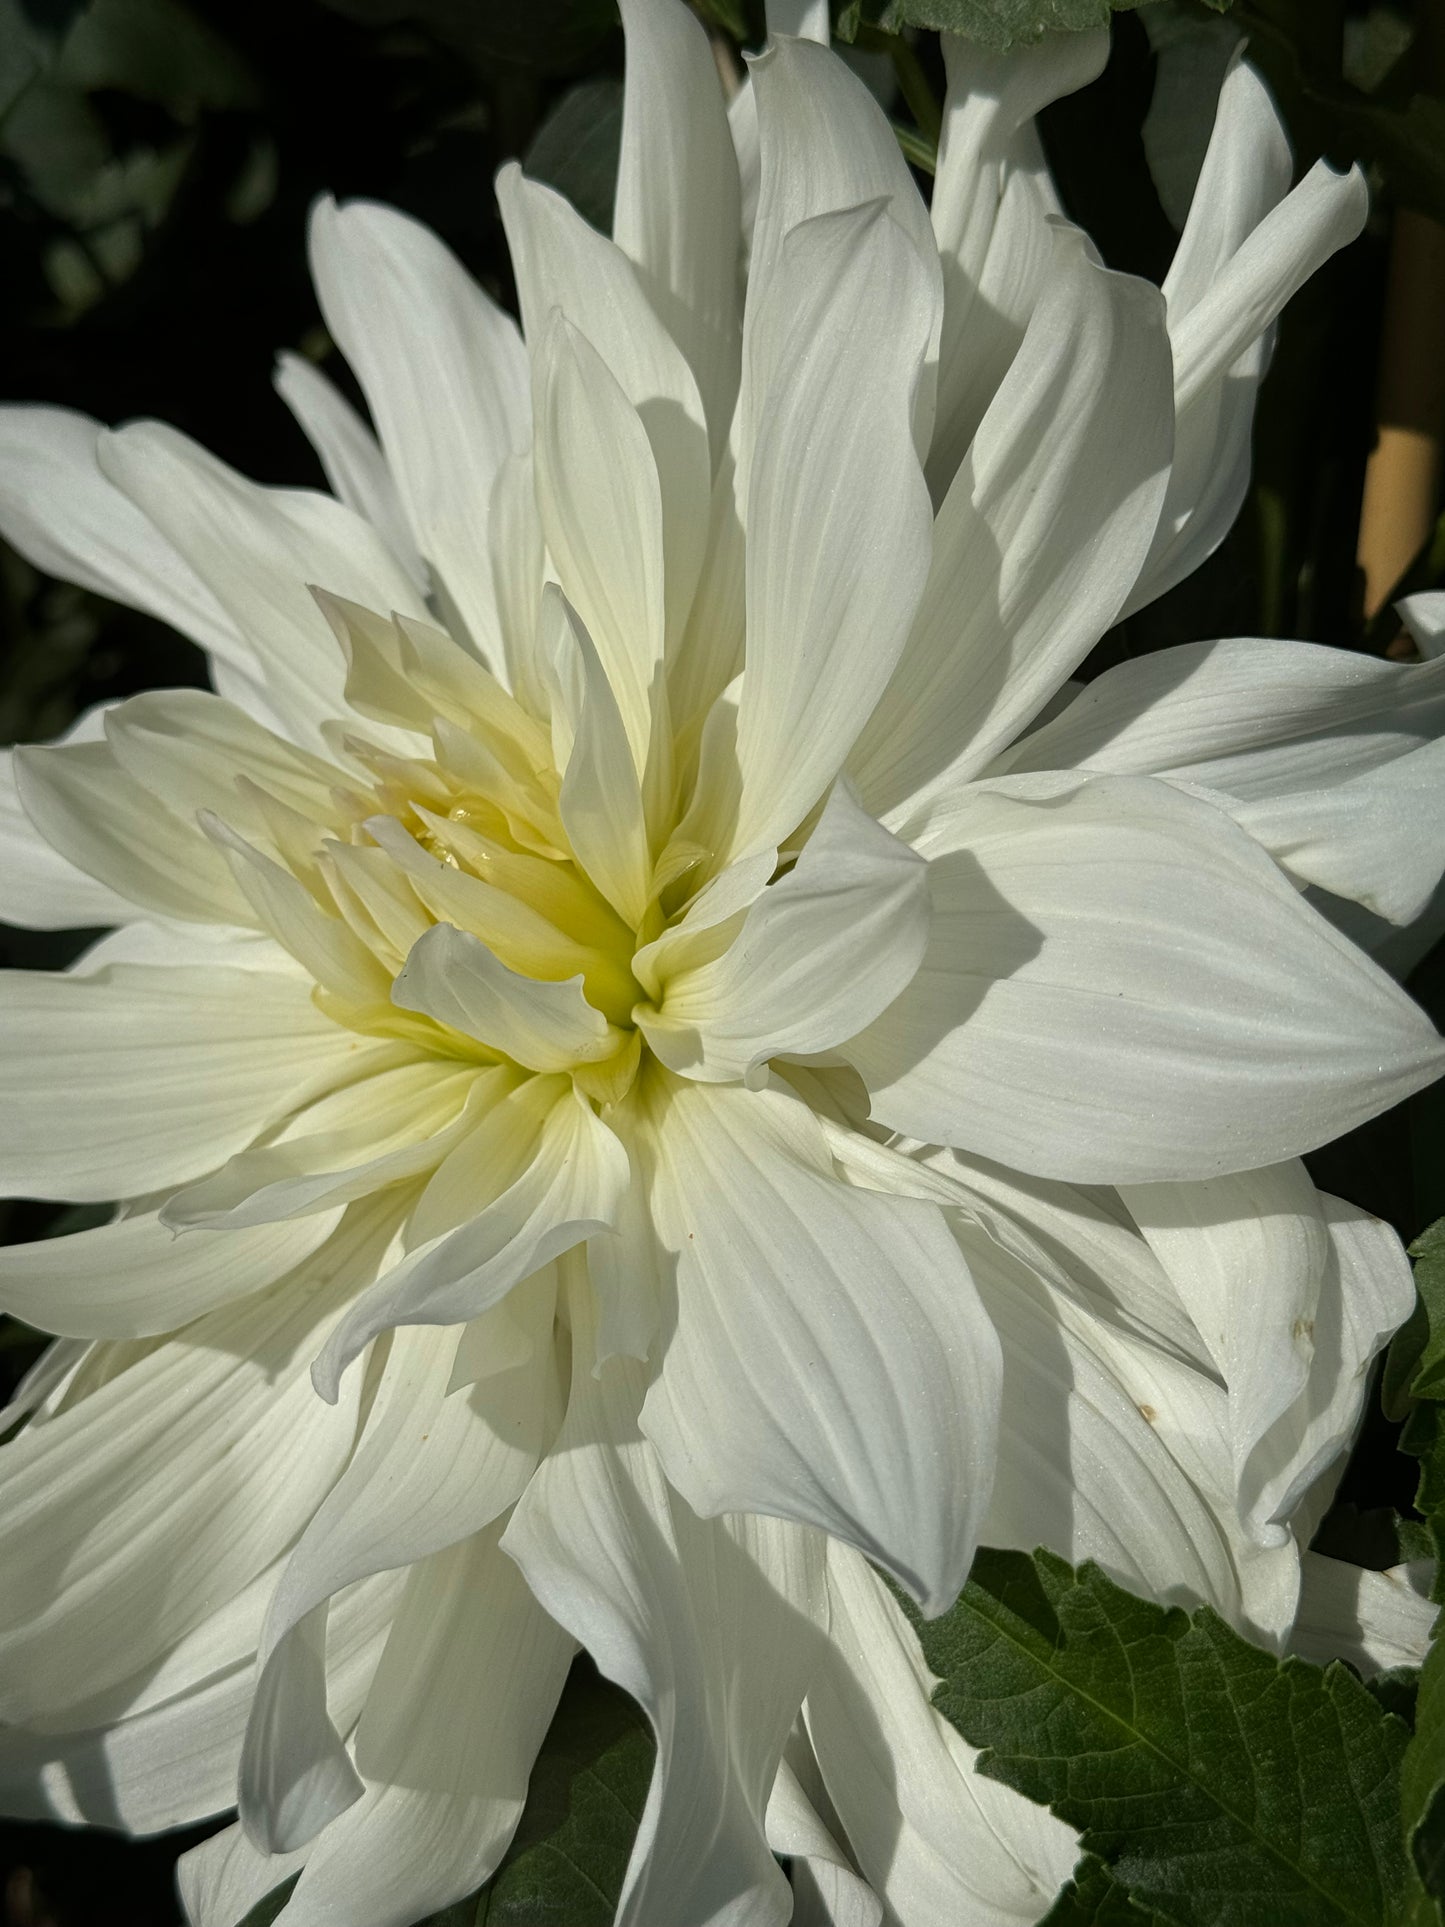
1253, 718
348, 451
170, 1757
601, 800
221, 1880
677, 214
1375, 1620
568, 1190
187, 748
101, 820
127, 1516
1040, 537
1366, 1294
431, 1468
70, 520
1121, 987
562, 263
452, 977
257, 549
135, 1278
138, 1077
602, 514
1324, 212
1247, 1255
396, 1123
445, 377
1246, 173
1424, 617
840, 935
991, 201
827, 1889
708, 1624
1377, 838
1082, 1243
514, 537
937, 1840
693, 940
1087, 1458
829, 1361
838, 514
43, 889
824, 145
461, 1701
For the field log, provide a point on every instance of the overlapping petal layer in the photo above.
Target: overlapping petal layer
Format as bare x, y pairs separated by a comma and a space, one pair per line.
615, 989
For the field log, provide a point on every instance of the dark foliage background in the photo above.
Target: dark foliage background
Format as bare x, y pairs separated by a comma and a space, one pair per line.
157, 160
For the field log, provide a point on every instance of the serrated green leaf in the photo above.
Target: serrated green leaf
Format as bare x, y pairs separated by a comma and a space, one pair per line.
996, 23
1428, 1251
1092, 1897
1422, 1772
1220, 1786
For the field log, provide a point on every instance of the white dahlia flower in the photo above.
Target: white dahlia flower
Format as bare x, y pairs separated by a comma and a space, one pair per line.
619, 989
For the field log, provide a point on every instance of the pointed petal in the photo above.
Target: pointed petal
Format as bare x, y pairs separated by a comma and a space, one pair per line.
601, 800
451, 977
1375, 1620
257, 549
1246, 173
824, 145
96, 816
431, 1468
396, 1124
563, 264
69, 519
43, 889
135, 1278
1325, 212
838, 515
935, 1838
348, 452
1253, 718
991, 201
602, 514
445, 377
677, 214
840, 935
142, 1076
709, 1624
1101, 1438
461, 1701
1367, 1292
829, 1362
1099, 942
116, 1542
567, 1191
1039, 538
1247, 1255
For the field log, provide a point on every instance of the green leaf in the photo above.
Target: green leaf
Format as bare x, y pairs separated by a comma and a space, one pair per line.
1094, 1898
566, 1866
997, 23
1422, 1773
576, 149
1220, 1786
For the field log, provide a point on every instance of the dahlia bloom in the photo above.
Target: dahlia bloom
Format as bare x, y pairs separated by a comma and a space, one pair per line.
644, 991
